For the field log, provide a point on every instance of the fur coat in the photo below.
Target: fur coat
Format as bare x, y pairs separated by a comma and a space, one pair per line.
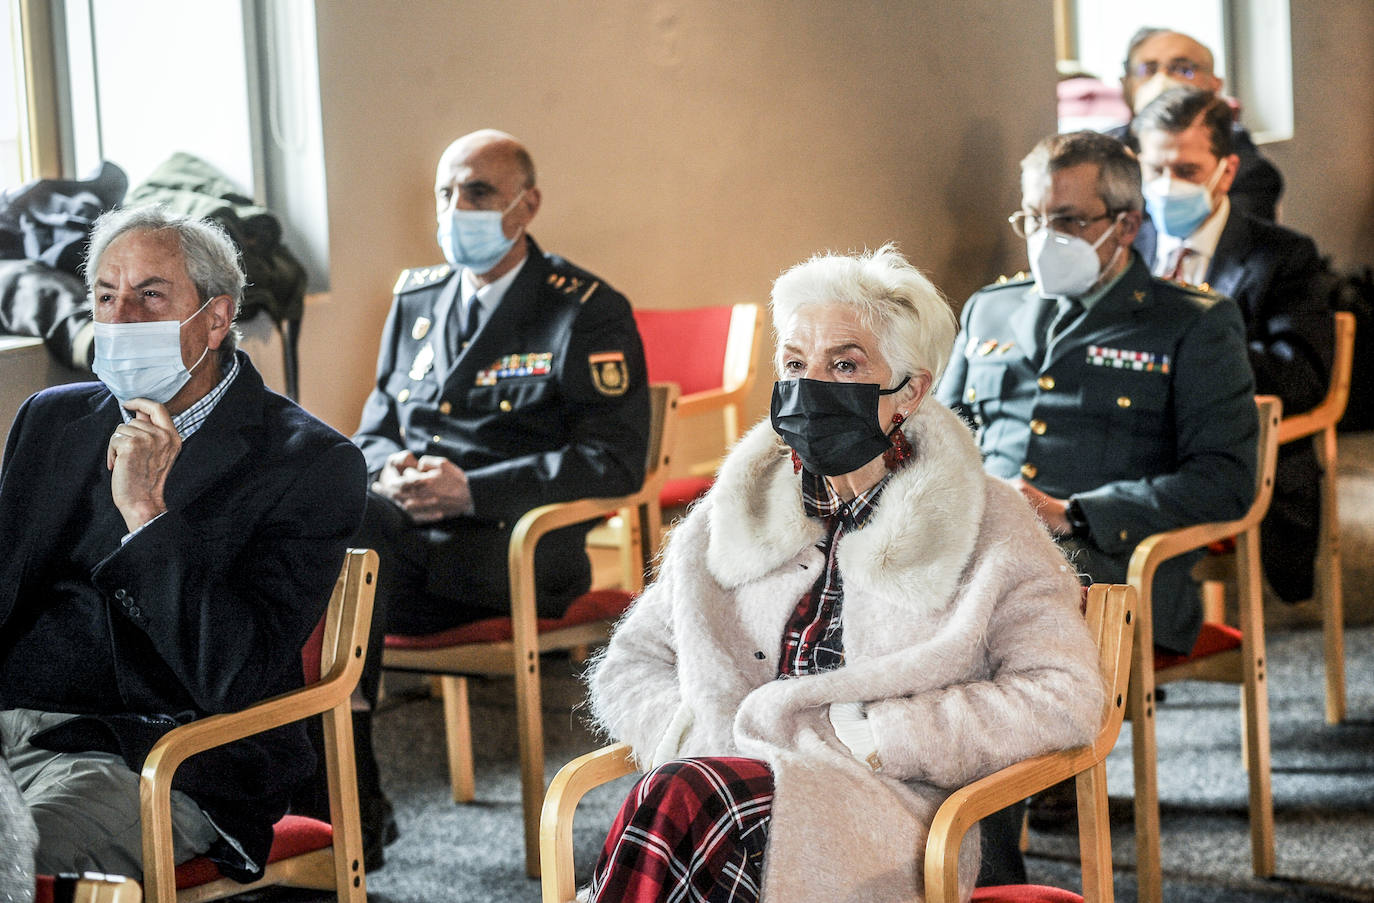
962, 633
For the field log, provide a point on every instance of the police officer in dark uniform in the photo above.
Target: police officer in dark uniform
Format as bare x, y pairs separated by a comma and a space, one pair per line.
1120, 404
508, 378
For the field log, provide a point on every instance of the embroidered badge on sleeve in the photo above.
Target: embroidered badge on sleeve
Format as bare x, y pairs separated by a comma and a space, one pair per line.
609, 373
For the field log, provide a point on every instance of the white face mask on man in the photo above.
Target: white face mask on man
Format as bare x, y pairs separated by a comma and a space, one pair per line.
143, 360
1066, 265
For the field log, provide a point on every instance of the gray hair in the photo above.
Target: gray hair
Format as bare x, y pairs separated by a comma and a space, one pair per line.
212, 259
1118, 170
913, 322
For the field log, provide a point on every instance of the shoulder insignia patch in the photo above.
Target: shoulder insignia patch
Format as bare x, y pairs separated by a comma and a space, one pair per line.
610, 376
574, 285
419, 277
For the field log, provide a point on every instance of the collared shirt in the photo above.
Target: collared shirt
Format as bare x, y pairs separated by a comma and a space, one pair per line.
193, 418
1201, 245
488, 296
1093, 297
813, 640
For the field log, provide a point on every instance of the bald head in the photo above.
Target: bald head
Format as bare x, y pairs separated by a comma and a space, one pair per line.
489, 170
1160, 59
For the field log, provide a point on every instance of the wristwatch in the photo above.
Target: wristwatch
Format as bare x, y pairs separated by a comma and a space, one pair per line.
1078, 523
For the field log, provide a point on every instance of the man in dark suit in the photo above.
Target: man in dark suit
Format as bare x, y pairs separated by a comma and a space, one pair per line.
1119, 404
171, 538
1196, 234
1159, 59
508, 378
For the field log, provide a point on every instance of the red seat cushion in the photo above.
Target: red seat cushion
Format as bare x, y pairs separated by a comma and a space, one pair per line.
682, 491
597, 605
292, 836
1024, 893
1213, 639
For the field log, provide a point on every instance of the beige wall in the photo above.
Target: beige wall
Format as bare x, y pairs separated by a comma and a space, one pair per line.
1328, 165
688, 151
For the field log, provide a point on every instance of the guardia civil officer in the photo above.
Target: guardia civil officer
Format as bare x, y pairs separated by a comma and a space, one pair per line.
508, 378
1119, 404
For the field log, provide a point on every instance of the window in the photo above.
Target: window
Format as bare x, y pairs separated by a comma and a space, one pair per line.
1250, 41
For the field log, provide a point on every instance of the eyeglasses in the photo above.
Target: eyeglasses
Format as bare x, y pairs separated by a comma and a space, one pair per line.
1179, 68
1026, 224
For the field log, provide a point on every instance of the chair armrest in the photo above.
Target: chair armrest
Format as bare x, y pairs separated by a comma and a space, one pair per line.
694, 403
1309, 423
990, 794
555, 822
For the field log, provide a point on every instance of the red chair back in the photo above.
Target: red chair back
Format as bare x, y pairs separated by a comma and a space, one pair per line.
686, 347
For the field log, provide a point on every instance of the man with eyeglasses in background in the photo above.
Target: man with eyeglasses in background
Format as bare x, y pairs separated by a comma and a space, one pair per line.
1119, 404
1158, 59
1195, 234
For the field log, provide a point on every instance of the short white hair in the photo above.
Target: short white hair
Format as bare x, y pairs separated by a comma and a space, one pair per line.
912, 320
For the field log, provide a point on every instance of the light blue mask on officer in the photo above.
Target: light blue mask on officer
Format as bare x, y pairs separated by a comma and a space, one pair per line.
475, 238
143, 360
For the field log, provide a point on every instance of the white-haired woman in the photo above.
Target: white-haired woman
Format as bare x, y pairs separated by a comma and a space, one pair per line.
854, 621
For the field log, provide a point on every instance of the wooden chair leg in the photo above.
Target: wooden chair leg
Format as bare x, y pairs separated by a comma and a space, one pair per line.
1329, 580
1255, 707
1141, 707
530, 723
1214, 601
1094, 835
458, 736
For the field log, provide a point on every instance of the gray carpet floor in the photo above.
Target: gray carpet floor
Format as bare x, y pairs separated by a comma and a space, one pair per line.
1323, 776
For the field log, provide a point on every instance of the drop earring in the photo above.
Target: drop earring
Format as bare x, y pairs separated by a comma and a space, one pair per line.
900, 451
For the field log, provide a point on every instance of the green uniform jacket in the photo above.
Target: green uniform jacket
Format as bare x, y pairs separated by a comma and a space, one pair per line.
1143, 411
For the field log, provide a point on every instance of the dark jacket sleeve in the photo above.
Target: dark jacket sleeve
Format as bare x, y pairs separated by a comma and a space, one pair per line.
1291, 331
607, 433
379, 429
1216, 427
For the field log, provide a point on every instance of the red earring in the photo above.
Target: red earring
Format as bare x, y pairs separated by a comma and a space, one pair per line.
796, 461
900, 451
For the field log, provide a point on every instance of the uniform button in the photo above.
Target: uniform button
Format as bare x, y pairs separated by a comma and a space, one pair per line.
505, 404
437, 439
1038, 427
1123, 401
1029, 471
445, 407
1046, 383
403, 396
972, 395
1125, 535
120, 594
135, 610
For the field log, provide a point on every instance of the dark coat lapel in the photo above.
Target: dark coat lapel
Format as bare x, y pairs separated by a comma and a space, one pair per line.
1111, 316
1026, 320
503, 325
1228, 263
212, 450
448, 297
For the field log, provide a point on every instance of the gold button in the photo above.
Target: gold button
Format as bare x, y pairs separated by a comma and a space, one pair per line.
1038, 427
1124, 535
1123, 401
437, 439
972, 395
1045, 382
505, 404
1029, 471
403, 395
445, 407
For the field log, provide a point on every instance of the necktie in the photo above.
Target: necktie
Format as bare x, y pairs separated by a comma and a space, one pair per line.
460, 328
1173, 267
1069, 309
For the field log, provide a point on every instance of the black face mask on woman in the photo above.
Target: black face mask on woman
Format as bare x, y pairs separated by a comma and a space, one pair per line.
832, 426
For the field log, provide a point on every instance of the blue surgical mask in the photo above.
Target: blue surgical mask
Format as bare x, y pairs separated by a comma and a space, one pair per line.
143, 360
1178, 207
475, 238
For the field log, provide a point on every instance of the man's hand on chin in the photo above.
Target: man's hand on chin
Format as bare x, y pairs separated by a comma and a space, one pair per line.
139, 456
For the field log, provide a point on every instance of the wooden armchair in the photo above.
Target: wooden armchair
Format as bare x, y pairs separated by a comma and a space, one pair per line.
506, 646
1110, 613
305, 852
1221, 654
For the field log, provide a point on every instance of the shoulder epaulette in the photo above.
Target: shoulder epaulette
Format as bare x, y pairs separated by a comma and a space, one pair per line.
580, 285
1020, 278
419, 277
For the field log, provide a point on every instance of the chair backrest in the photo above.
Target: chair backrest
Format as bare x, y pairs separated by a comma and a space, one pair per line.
1110, 611
1155, 550
1327, 414
707, 351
